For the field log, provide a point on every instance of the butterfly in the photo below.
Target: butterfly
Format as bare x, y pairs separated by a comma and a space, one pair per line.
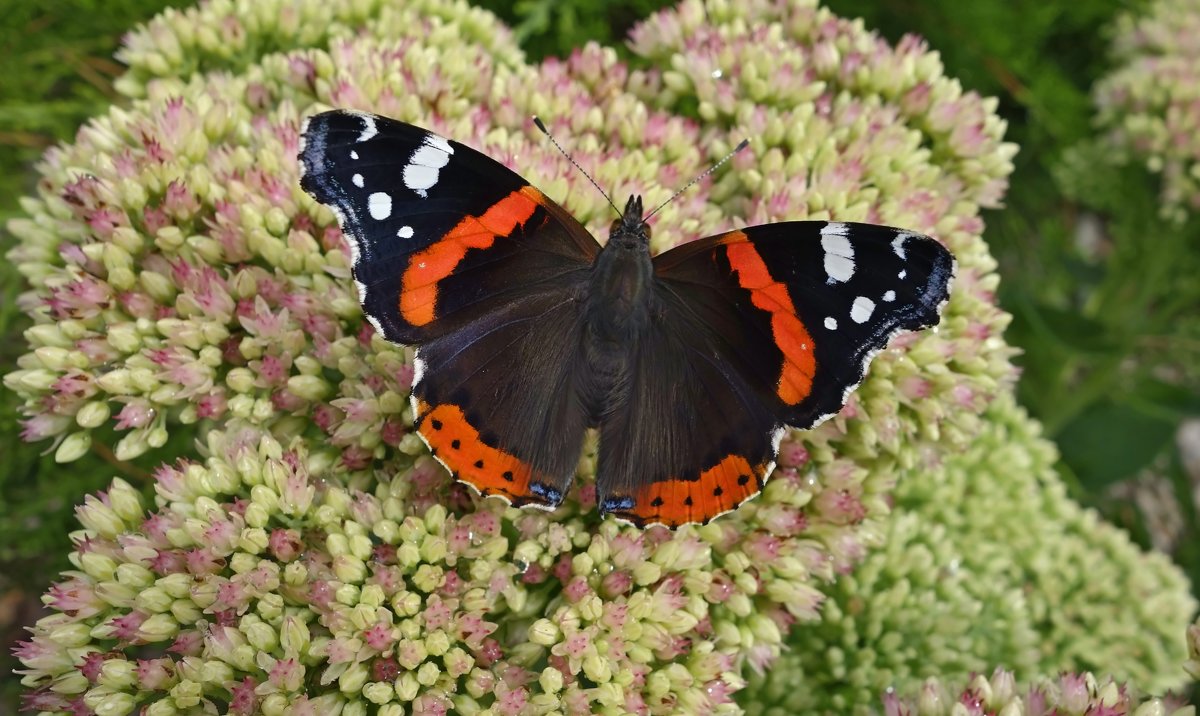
691, 364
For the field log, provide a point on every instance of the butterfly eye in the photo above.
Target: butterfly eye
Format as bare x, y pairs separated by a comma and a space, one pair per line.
646, 231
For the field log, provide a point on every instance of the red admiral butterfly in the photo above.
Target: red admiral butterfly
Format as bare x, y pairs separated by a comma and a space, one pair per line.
691, 363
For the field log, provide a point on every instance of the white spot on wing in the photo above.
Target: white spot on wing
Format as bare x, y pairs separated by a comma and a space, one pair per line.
421, 171
862, 309
357, 180
369, 128
353, 154
420, 178
831, 323
898, 245
405, 232
440, 143
379, 205
889, 296
839, 254
428, 155
902, 275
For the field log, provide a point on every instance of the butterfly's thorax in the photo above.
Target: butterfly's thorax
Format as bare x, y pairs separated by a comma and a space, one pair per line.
618, 299
618, 309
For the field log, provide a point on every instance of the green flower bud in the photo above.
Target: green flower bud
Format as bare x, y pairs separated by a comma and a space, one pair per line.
551, 680
378, 692
114, 704
134, 576
352, 570
98, 566
544, 632
347, 594
132, 445
47, 334
116, 382
433, 548
37, 380
295, 574
352, 680
159, 627
406, 603
185, 611
162, 707
437, 642
153, 600
117, 674
308, 387
428, 673
74, 447
411, 653
274, 705
407, 686
645, 573
261, 636
187, 694
427, 578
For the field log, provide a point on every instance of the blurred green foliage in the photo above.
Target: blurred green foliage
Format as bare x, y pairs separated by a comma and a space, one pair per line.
1104, 292
58, 71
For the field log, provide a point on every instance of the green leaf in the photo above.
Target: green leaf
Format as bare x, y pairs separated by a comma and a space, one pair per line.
1108, 442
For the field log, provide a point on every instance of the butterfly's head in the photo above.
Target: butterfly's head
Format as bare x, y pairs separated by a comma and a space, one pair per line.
631, 230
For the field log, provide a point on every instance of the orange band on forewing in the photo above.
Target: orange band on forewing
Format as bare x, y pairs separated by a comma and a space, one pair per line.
719, 489
419, 284
793, 339
456, 443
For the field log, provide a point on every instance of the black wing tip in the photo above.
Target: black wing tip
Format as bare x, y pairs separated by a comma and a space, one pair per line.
941, 282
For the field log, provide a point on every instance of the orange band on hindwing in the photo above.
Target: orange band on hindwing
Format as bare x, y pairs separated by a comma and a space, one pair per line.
677, 501
456, 443
419, 284
788, 331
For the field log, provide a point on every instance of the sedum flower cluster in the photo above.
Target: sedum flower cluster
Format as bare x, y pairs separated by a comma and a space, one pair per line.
990, 563
307, 556
1150, 105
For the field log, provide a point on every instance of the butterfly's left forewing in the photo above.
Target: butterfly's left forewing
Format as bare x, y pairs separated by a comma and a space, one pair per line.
779, 323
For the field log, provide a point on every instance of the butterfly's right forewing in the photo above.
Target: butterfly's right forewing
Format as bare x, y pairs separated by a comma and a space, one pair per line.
440, 234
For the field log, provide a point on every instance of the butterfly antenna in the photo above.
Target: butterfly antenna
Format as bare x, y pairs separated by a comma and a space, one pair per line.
744, 143
538, 123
